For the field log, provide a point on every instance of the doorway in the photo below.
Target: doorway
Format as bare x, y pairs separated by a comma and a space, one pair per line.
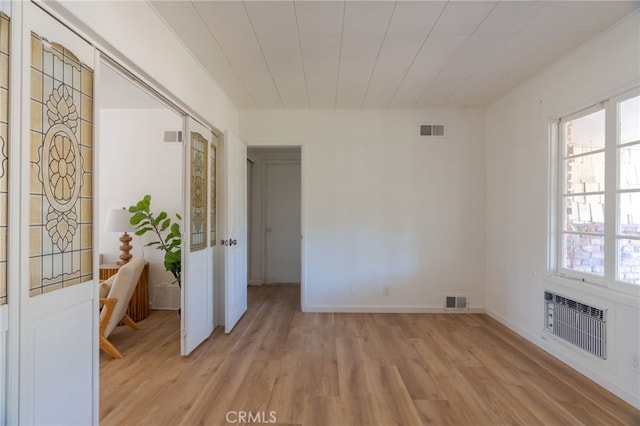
275, 215
139, 155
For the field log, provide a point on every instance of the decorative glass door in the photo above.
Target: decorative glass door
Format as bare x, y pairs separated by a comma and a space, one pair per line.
198, 255
58, 321
4, 150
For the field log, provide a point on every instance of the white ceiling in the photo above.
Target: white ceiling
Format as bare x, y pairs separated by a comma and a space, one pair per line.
381, 54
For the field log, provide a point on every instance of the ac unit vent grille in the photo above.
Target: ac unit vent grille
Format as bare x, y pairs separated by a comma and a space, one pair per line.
172, 136
576, 306
431, 130
166, 296
577, 323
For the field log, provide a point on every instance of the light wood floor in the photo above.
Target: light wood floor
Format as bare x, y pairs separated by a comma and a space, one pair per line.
345, 369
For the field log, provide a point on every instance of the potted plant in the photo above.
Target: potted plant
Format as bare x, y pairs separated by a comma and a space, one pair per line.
169, 238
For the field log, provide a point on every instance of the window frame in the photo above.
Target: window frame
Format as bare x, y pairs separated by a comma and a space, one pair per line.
617, 235
611, 193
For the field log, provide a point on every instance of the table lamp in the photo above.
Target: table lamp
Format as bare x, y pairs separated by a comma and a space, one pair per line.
118, 221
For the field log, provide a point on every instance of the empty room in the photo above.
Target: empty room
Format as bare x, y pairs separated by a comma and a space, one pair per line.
377, 212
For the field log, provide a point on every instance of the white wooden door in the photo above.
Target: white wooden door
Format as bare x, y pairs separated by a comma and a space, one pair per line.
5, 60
282, 216
197, 252
58, 337
234, 240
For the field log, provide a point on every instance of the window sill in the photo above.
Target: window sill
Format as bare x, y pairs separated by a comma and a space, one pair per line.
616, 293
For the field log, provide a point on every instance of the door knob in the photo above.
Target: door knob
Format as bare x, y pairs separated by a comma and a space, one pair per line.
233, 242
224, 242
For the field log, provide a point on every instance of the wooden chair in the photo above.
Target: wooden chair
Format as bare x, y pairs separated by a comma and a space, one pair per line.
119, 289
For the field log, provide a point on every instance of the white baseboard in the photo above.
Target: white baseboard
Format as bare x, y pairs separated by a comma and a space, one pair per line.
391, 309
255, 282
550, 348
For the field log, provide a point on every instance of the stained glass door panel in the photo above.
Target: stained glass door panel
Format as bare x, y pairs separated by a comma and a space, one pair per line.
198, 261
58, 319
5, 23
61, 165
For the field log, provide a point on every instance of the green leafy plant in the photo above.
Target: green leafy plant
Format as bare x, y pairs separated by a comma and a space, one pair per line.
169, 238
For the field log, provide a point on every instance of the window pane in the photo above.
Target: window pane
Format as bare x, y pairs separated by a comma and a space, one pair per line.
629, 261
584, 134
584, 214
585, 174
630, 120
584, 253
629, 213
630, 167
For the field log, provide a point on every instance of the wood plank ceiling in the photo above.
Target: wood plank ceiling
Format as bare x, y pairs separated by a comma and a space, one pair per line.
381, 54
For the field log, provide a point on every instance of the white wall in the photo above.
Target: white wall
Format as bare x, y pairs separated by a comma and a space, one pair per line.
134, 161
385, 207
518, 158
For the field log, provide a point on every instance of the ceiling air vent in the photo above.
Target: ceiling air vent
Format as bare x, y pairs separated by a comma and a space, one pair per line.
172, 136
431, 130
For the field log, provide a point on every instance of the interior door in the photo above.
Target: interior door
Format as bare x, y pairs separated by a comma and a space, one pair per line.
197, 287
5, 59
282, 214
234, 242
58, 337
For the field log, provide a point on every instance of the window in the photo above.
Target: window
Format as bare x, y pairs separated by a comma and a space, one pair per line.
599, 204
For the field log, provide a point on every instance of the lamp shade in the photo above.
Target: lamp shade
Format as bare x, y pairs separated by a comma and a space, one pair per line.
118, 221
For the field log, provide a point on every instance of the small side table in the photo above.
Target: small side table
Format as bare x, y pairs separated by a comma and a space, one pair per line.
139, 305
